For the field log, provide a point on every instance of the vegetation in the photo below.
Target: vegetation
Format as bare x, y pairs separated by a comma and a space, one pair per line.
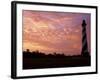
36, 59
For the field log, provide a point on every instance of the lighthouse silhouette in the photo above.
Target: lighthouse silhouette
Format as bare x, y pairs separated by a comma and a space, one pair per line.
84, 51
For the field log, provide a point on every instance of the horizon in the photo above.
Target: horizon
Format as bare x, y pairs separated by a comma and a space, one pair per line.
53, 53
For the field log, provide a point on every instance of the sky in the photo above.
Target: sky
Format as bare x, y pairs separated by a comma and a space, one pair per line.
51, 32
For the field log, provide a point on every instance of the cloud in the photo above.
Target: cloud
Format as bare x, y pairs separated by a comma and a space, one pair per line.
53, 32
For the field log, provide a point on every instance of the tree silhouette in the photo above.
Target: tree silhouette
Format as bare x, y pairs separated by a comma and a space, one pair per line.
37, 59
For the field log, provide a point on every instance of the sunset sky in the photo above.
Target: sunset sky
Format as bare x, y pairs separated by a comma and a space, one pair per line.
50, 32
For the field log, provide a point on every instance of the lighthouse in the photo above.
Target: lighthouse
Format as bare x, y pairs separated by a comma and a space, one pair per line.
84, 51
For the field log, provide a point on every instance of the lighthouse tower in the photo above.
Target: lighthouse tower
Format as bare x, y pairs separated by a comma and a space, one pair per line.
84, 51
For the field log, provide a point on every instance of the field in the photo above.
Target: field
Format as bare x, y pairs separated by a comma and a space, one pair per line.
32, 61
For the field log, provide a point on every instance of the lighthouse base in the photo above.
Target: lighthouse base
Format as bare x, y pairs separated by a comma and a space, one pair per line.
85, 54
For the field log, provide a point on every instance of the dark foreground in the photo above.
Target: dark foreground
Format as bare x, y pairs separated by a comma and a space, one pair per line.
36, 62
